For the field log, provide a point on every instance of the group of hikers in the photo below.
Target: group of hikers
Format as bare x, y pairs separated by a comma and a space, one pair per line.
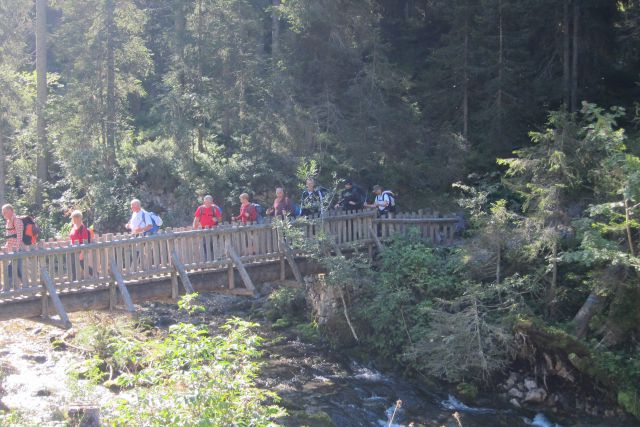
22, 231
314, 200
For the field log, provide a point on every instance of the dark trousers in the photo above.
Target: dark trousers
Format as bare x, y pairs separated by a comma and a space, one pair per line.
15, 265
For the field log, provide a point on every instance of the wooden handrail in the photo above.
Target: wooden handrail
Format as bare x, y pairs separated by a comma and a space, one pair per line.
134, 257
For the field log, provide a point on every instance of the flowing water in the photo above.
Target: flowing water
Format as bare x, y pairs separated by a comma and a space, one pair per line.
318, 386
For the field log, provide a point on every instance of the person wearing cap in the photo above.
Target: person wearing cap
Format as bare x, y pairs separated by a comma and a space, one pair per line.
381, 202
352, 197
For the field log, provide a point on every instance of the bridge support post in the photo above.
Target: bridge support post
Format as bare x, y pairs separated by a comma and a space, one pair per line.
374, 236
115, 273
51, 290
177, 265
288, 253
240, 266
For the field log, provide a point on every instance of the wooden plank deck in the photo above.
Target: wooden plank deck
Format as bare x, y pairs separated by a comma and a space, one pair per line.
89, 268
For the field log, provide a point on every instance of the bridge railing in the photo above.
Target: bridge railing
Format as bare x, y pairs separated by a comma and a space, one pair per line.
91, 266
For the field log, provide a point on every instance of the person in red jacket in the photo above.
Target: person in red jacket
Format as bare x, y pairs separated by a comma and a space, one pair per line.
79, 234
208, 215
248, 213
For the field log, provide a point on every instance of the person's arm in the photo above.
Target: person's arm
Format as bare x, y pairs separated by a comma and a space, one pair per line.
196, 218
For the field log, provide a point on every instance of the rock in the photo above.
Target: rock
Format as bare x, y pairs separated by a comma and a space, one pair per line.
515, 403
511, 381
84, 416
530, 384
514, 392
43, 392
609, 413
537, 395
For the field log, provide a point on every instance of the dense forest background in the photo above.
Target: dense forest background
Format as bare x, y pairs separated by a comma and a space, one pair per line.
524, 112
168, 100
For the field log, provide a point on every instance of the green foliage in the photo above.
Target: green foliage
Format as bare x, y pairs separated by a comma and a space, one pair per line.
189, 303
188, 377
412, 275
285, 303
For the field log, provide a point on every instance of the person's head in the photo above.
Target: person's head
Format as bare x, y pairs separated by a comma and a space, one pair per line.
310, 184
279, 193
377, 190
76, 217
7, 211
207, 201
244, 198
348, 183
135, 205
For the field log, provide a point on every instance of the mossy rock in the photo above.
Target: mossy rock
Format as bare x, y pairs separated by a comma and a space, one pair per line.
629, 399
467, 393
281, 323
312, 419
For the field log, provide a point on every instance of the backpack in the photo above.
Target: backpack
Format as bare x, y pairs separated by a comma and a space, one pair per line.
31, 230
91, 235
213, 211
296, 210
392, 200
156, 222
259, 213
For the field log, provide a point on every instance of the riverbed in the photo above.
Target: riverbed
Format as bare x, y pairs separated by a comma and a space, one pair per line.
319, 386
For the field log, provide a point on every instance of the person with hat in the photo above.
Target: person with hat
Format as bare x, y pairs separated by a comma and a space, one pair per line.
382, 201
352, 197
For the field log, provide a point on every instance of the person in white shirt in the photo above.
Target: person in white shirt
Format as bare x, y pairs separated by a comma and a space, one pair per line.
381, 202
140, 222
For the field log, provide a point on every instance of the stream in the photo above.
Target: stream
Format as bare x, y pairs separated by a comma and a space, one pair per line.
319, 386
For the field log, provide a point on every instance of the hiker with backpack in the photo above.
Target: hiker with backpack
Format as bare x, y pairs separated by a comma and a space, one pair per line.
142, 222
282, 205
79, 234
384, 202
312, 199
207, 215
14, 233
352, 197
248, 210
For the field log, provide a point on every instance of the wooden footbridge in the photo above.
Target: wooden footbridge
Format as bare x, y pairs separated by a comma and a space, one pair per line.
55, 277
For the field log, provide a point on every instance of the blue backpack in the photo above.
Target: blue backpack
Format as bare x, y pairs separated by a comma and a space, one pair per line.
259, 213
296, 210
156, 222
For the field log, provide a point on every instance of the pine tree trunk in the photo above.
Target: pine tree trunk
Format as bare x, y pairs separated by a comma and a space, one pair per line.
2, 165
498, 262
500, 71
275, 29
465, 80
41, 99
574, 58
590, 308
627, 226
201, 120
566, 55
110, 124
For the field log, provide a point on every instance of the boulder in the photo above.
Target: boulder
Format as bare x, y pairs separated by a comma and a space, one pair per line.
514, 392
515, 403
530, 384
537, 395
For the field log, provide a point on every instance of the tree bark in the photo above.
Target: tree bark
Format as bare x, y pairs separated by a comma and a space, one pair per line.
574, 57
566, 57
275, 29
201, 120
627, 226
3, 172
110, 124
590, 308
500, 71
41, 99
465, 79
